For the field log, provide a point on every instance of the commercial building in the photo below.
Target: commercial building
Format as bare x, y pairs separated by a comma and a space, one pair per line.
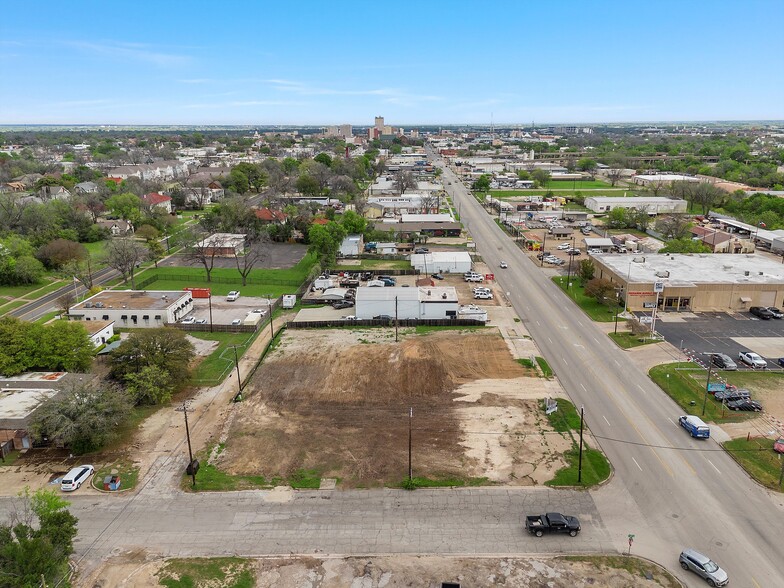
423, 302
20, 397
100, 331
134, 308
442, 262
351, 246
223, 245
653, 204
694, 282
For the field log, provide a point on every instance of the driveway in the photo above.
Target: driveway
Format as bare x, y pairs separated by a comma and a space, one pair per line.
718, 332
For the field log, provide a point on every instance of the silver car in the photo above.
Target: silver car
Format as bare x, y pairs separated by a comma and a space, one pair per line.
703, 566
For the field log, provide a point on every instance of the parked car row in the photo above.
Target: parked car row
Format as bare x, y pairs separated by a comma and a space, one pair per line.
766, 312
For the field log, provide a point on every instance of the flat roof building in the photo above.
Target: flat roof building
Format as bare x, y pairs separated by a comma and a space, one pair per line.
442, 262
423, 302
653, 204
694, 282
134, 308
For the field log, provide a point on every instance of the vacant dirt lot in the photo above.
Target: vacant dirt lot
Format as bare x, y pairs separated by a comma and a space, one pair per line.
337, 401
427, 572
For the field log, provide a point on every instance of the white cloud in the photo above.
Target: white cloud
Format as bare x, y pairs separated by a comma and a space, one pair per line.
134, 51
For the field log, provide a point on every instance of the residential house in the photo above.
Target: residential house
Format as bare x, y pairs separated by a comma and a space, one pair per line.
267, 216
158, 170
86, 188
118, 228
160, 201
14, 187
54, 193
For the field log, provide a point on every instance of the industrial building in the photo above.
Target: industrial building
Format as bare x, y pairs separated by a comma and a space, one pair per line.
442, 262
134, 308
653, 204
424, 302
694, 282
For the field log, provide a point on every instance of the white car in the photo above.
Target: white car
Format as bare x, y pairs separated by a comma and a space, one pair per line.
564, 246
503, 265
232, 296
188, 320
483, 296
236, 322
350, 317
74, 479
480, 289
752, 360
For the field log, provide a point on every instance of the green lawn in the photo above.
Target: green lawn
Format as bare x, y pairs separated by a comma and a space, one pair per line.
686, 386
96, 249
47, 317
547, 371
597, 312
129, 474
215, 367
8, 307
595, 467
216, 572
627, 339
46, 285
417, 482
757, 457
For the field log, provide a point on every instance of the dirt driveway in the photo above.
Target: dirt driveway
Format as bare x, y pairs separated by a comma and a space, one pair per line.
337, 401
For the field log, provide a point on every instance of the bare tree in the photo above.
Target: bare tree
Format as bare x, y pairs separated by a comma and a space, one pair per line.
125, 255
82, 270
614, 175
430, 202
200, 249
403, 181
65, 302
656, 187
360, 203
707, 195
256, 251
674, 226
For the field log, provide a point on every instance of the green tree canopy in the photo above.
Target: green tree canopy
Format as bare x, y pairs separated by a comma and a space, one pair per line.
126, 205
685, 245
325, 241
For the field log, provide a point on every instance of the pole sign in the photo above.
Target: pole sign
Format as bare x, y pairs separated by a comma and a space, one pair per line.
716, 386
658, 287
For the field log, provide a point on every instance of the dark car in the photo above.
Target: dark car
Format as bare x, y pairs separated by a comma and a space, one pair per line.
732, 395
781, 361
724, 361
382, 317
542, 255
573, 252
437, 276
776, 312
343, 304
761, 312
745, 404
421, 250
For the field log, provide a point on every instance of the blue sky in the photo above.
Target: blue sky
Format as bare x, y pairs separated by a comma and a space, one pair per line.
414, 62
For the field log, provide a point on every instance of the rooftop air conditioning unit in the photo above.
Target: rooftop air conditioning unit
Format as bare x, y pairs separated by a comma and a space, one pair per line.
88, 304
639, 260
746, 273
663, 274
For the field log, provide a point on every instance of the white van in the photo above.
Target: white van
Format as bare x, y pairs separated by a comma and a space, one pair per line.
76, 477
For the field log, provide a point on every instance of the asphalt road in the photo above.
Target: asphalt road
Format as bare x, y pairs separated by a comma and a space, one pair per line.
47, 303
669, 490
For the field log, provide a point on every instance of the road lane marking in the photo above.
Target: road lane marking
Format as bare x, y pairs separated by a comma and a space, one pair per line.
550, 340
635, 463
713, 466
616, 362
605, 420
579, 323
755, 582
597, 340
642, 390
672, 421
538, 323
583, 387
564, 360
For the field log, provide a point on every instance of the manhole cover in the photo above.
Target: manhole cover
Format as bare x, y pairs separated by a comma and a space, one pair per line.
675, 516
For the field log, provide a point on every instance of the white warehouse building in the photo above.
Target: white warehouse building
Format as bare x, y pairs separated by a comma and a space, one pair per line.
424, 302
134, 308
653, 204
442, 262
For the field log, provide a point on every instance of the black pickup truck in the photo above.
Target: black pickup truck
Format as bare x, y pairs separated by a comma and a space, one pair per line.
552, 522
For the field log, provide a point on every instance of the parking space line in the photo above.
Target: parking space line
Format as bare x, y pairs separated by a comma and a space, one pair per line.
635, 463
605, 420
714, 467
583, 387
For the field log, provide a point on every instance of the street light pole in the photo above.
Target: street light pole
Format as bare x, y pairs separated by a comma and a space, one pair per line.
707, 385
239, 378
580, 458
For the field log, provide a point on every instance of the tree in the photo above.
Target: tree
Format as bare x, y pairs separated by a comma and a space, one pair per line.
707, 196
353, 223
82, 417
587, 165
66, 346
17, 352
325, 241
674, 226
307, 185
82, 270
324, 158
639, 217
256, 251
127, 206
586, 270
125, 255
685, 245
200, 250
616, 165
482, 183
255, 174
541, 177
599, 288
404, 180
150, 385
167, 349
34, 555
57, 253
65, 302
618, 218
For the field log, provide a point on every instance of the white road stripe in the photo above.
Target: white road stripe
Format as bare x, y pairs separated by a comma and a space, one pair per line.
616, 362
564, 360
597, 340
583, 386
672, 421
606, 421
713, 466
635, 463
550, 340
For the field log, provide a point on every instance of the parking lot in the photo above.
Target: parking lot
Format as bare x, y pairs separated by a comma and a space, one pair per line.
717, 332
224, 312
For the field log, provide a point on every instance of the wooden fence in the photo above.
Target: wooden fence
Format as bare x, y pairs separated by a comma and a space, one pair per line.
384, 323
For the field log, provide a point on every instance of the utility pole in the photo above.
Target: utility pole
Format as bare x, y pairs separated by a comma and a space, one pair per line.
239, 378
707, 385
544, 245
410, 419
272, 329
396, 321
210, 301
580, 458
191, 466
